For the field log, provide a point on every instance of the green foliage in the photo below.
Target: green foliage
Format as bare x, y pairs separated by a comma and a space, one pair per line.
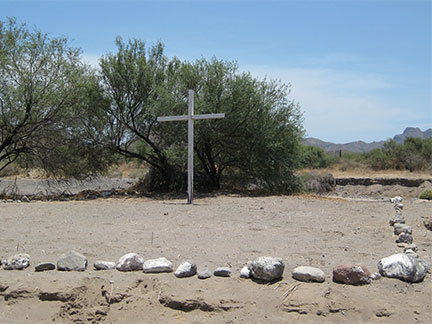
414, 154
315, 158
427, 194
41, 82
257, 142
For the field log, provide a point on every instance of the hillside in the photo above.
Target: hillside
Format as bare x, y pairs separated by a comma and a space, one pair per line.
360, 146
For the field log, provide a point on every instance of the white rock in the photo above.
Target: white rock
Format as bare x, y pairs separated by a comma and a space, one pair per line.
17, 262
396, 200
245, 272
186, 269
158, 266
267, 268
305, 273
404, 267
130, 262
104, 265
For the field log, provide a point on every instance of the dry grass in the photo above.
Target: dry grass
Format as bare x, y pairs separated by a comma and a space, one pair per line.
363, 172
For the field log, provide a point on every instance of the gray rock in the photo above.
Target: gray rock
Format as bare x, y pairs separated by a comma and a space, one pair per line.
398, 206
397, 219
402, 228
157, 266
305, 273
25, 199
204, 273
186, 269
245, 272
130, 262
44, 266
104, 265
72, 261
16, 262
267, 268
222, 272
404, 238
403, 266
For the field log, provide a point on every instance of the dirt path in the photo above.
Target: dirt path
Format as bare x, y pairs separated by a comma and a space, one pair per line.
219, 231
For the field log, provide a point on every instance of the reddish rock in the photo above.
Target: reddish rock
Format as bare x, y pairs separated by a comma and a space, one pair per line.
351, 274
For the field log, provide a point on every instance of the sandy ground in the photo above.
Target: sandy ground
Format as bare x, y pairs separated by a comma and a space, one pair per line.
217, 231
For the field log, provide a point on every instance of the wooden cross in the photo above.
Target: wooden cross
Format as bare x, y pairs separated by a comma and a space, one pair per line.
190, 117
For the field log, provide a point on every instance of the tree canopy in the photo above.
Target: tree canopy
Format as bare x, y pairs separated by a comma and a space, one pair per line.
59, 114
41, 86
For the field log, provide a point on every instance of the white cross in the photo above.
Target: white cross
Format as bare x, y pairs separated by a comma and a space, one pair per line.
190, 117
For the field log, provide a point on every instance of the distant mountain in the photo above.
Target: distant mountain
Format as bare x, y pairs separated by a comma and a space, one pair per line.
361, 147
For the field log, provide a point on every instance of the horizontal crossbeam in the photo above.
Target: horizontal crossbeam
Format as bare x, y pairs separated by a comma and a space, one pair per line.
186, 117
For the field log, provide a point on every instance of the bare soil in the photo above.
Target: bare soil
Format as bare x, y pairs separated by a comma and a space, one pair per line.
226, 230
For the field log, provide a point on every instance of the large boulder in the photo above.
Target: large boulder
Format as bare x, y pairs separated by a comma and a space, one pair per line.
158, 266
351, 274
16, 262
130, 262
319, 183
403, 266
267, 268
72, 261
305, 273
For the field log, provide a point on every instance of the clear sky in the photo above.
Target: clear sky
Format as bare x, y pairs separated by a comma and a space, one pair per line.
360, 70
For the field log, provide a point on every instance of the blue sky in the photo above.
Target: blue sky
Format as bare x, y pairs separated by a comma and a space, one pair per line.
360, 70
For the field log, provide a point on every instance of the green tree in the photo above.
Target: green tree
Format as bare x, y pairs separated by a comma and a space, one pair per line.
258, 141
40, 83
139, 86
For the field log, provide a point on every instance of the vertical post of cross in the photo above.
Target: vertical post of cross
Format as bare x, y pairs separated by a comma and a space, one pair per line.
190, 145
190, 117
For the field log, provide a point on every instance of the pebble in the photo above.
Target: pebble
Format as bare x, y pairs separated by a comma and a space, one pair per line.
351, 274
222, 272
245, 272
44, 266
25, 199
398, 218
204, 273
411, 246
104, 265
72, 261
402, 228
306, 273
130, 262
186, 269
404, 238
16, 262
158, 265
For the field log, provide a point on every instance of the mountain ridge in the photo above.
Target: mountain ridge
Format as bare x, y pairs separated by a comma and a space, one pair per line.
362, 147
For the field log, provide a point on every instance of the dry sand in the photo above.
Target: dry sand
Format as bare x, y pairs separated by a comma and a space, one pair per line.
216, 231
